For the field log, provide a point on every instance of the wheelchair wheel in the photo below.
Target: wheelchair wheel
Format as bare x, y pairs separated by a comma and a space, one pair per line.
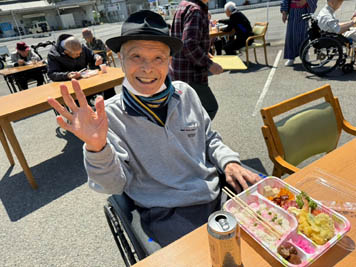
347, 68
127, 253
322, 55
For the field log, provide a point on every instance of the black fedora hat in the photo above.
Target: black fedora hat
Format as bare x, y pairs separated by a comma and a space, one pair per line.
145, 25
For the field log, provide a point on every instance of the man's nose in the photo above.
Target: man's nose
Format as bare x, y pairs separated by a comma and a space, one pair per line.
147, 65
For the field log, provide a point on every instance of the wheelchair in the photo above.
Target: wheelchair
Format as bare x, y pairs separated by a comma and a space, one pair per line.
322, 52
124, 222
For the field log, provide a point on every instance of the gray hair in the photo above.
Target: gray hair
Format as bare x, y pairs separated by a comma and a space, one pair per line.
72, 44
231, 6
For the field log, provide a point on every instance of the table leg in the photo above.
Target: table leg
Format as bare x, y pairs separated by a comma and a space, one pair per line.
6, 147
11, 81
8, 84
9, 131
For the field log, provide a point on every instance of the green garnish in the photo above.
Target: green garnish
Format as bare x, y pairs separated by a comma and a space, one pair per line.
255, 224
300, 203
269, 213
274, 218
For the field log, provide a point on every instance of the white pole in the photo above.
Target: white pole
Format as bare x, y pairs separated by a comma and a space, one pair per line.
157, 4
267, 17
18, 29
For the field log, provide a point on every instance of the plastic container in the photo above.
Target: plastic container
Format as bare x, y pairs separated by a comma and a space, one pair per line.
306, 249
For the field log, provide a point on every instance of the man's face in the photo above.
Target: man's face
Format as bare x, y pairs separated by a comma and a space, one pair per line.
23, 53
88, 39
228, 13
73, 54
335, 4
145, 64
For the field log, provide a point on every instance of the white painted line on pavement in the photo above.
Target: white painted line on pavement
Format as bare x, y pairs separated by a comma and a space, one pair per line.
267, 84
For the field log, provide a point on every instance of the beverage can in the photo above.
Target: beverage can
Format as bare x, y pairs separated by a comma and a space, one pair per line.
224, 240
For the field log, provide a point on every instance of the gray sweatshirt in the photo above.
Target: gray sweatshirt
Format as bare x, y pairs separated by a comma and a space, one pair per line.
171, 166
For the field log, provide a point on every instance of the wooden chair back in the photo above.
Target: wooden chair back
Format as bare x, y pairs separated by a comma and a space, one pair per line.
312, 125
110, 58
259, 34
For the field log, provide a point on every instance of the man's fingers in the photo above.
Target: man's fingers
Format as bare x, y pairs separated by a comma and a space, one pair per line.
79, 93
68, 99
100, 107
60, 109
234, 184
242, 182
64, 125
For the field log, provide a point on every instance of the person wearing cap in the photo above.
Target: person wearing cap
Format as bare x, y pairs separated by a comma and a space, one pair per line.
23, 56
193, 63
68, 57
238, 22
153, 141
94, 43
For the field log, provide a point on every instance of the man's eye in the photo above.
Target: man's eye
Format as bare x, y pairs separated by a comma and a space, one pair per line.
159, 59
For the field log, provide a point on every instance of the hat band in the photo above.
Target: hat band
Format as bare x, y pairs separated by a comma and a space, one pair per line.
145, 31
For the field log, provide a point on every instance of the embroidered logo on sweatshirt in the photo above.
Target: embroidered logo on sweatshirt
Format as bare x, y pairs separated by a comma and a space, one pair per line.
190, 128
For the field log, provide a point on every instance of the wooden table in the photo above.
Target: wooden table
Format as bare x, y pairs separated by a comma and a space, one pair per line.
9, 74
193, 249
219, 33
34, 100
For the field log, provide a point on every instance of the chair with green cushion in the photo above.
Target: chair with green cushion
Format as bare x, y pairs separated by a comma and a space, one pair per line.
304, 133
259, 36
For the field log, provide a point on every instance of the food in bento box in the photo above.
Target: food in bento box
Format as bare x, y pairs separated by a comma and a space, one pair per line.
269, 191
319, 228
304, 244
270, 214
290, 253
280, 196
300, 201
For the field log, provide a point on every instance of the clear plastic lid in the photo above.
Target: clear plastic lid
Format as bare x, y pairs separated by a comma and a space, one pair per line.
335, 193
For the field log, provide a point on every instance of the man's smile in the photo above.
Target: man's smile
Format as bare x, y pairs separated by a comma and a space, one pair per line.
146, 80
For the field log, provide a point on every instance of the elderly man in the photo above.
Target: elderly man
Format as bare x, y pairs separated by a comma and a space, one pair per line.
68, 57
94, 43
153, 141
327, 21
193, 63
22, 56
236, 21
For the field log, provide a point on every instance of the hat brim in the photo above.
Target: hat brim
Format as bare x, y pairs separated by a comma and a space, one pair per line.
174, 44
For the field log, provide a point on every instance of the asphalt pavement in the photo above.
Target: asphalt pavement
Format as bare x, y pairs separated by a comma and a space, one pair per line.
63, 224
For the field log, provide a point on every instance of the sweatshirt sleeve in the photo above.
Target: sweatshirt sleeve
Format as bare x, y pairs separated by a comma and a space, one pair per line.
104, 169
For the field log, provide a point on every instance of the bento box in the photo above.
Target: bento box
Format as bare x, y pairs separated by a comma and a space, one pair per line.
307, 227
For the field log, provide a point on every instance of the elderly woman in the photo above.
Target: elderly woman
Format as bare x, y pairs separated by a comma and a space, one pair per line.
292, 11
153, 141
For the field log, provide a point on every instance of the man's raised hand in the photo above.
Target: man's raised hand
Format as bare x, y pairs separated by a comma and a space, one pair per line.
89, 126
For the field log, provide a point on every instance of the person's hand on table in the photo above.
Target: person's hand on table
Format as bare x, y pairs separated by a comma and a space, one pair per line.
21, 62
237, 175
98, 60
215, 68
284, 16
74, 75
89, 126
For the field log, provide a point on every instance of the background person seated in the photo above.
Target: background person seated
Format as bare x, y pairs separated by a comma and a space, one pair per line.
328, 23
23, 56
239, 22
154, 140
94, 44
68, 56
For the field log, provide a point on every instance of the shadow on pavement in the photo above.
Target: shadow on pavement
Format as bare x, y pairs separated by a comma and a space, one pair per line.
55, 177
336, 75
